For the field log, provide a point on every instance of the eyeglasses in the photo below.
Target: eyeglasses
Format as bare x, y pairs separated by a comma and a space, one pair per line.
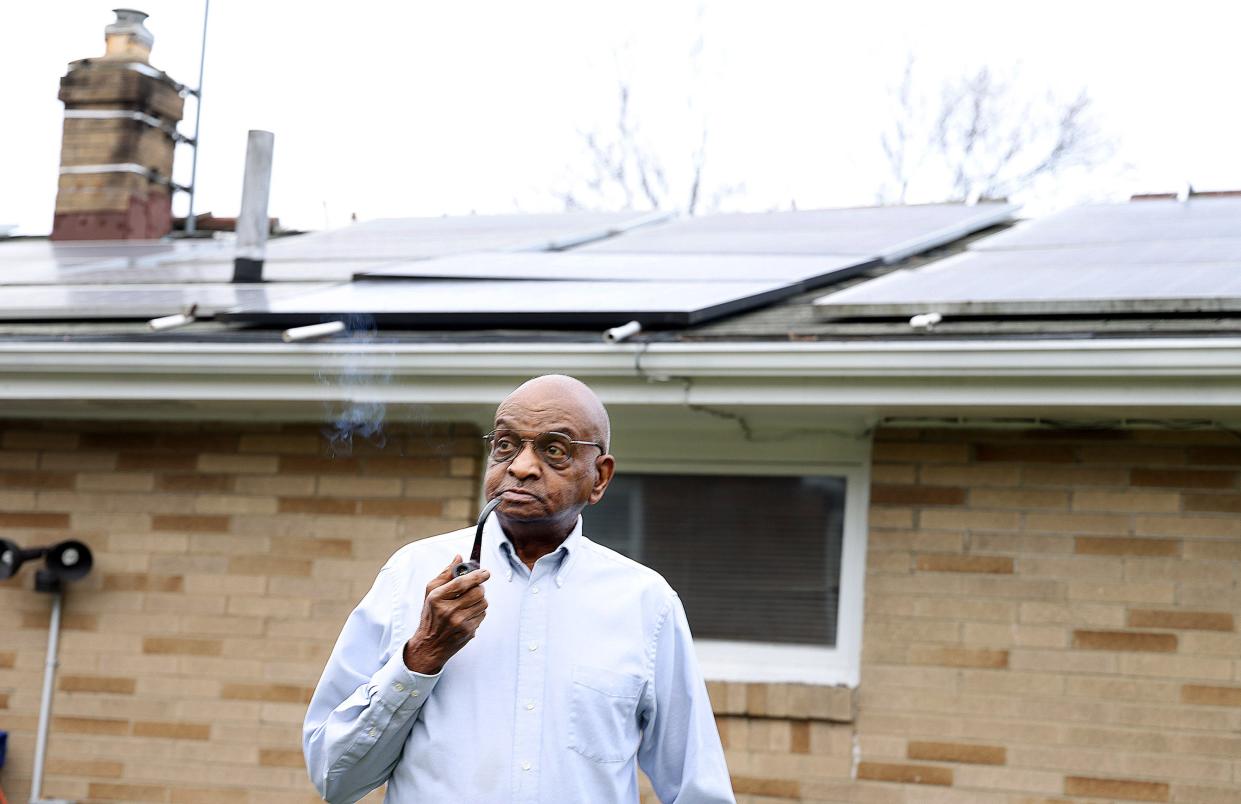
555, 449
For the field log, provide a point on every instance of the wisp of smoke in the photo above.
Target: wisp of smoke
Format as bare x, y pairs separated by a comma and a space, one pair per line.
352, 416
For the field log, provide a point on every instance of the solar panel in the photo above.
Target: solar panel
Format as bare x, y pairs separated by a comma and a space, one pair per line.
1040, 283
80, 302
807, 272
1139, 221
423, 238
890, 233
48, 262
517, 303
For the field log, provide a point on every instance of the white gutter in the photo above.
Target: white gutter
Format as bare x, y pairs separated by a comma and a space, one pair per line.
1139, 358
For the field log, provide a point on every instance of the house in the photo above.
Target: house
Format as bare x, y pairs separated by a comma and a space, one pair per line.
952, 499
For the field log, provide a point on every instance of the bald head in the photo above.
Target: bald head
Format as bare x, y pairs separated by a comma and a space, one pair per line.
569, 394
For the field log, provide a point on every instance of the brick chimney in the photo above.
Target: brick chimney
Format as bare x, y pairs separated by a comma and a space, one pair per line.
120, 129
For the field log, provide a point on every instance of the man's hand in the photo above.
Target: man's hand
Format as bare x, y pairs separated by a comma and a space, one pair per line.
451, 612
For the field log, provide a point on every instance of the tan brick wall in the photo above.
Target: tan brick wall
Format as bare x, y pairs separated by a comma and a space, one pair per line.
226, 561
1052, 616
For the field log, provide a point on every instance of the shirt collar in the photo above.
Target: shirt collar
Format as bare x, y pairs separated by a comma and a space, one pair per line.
499, 546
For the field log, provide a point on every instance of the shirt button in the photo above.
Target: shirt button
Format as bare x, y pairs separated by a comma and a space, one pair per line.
415, 693
525, 766
398, 686
534, 590
373, 732
534, 646
530, 706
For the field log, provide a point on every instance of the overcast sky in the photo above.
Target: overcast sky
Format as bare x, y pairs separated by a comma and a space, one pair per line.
415, 108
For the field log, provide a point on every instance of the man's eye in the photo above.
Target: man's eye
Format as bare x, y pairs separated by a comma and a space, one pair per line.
504, 444
556, 451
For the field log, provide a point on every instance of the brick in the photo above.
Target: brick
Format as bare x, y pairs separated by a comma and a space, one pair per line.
916, 495
1019, 498
968, 753
238, 464
904, 774
1182, 620
1073, 476
142, 582
38, 439
194, 483
84, 767
1214, 503
970, 475
1129, 501
1125, 641
769, 788
1128, 789
1215, 456
269, 565
172, 731
312, 548
107, 791
157, 461
957, 657
313, 505
281, 443
91, 725
1024, 453
279, 693
107, 684
1105, 546
894, 451
401, 507
1183, 478
799, 737
32, 519
70, 622
197, 523
1073, 523
7, 660
182, 645
35, 480
1207, 695
405, 467
308, 465
995, 565
941, 519
281, 758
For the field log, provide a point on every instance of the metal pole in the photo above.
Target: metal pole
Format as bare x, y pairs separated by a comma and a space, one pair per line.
45, 707
198, 119
252, 222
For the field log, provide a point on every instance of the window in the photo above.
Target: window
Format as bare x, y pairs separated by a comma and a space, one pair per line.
754, 558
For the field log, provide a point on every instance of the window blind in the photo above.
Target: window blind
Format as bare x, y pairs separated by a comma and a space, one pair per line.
754, 558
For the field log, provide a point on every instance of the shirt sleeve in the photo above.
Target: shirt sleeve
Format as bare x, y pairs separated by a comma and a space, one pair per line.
681, 751
365, 704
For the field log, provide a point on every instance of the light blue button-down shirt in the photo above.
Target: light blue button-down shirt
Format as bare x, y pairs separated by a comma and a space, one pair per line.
581, 668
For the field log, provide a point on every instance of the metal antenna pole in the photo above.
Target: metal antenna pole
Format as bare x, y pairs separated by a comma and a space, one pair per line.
45, 707
198, 119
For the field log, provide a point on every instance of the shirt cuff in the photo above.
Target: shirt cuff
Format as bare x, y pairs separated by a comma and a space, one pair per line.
400, 688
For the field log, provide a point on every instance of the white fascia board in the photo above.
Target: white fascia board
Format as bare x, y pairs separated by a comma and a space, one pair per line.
906, 374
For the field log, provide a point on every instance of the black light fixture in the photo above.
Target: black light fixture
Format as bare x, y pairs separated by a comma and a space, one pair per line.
69, 560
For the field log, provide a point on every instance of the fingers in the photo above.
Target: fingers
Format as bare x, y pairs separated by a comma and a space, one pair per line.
445, 575
458, 587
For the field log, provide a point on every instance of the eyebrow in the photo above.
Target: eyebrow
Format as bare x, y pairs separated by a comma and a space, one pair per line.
502, 423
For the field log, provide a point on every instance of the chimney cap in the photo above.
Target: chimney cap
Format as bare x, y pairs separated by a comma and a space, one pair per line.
129, 21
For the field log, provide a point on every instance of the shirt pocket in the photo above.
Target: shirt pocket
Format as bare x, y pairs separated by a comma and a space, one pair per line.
603, 714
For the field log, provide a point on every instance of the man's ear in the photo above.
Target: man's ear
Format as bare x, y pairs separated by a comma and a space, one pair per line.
605, 466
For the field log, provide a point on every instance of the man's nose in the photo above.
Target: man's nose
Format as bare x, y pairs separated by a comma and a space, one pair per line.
527, 462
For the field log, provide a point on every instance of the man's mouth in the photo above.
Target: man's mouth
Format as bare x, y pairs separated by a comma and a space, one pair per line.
518, 495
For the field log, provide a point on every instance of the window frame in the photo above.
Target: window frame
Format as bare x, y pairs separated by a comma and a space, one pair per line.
769, 662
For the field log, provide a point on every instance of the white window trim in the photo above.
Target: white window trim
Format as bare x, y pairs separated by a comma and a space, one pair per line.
767, 662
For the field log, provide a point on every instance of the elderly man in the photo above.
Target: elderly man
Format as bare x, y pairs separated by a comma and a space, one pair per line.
582, 667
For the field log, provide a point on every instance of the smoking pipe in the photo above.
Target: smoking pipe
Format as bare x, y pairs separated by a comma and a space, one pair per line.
466, 567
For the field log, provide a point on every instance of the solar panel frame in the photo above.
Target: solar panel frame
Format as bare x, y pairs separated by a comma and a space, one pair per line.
393, 303
805, 272
134, 302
